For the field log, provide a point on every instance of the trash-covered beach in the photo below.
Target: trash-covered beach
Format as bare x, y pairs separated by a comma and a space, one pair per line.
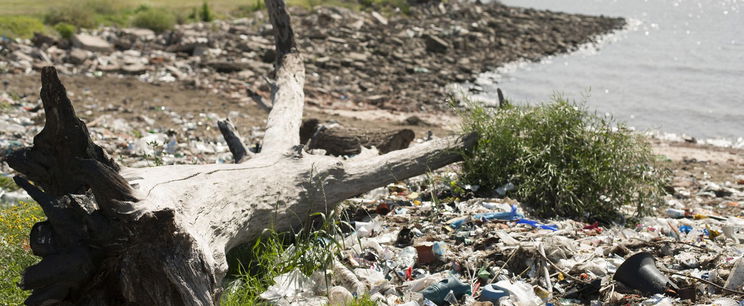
427, 240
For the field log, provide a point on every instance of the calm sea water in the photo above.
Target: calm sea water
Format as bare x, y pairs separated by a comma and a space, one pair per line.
678, 67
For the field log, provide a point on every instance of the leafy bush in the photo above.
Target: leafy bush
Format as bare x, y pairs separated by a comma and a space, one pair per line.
563, 160
158, 20
20, 26
65, 30
15, 254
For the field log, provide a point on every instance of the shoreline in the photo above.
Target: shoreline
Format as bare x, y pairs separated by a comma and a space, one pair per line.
363, 59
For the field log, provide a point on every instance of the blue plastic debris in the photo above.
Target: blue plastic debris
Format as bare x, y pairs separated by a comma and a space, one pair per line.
538, 225
685, 229
457, 223
492, 293
505, 215
438, 292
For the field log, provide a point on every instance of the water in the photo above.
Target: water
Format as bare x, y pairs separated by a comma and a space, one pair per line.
678, 67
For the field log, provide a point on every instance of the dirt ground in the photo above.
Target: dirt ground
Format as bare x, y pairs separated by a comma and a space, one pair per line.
129, 98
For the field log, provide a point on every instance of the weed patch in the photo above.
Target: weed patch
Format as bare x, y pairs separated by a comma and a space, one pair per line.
254, 266
15, 252
562, 160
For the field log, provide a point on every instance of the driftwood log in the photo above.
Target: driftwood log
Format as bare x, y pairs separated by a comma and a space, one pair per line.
159, 235
346, 141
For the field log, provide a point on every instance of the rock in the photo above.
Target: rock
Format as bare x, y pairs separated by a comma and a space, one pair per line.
176, 72
77, 56
40, 40
359, 57
227, 67
91, 43
379, 18
187, 47
268, 56
22, 57
134, 68
435, 44
142, 34
199, 50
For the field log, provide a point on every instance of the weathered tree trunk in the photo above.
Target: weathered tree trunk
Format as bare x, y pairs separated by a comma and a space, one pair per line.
158, 236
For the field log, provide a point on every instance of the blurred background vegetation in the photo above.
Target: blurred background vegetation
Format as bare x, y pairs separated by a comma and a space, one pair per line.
22, 18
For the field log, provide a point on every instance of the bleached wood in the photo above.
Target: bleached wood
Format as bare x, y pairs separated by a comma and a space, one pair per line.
158, 236
287, 95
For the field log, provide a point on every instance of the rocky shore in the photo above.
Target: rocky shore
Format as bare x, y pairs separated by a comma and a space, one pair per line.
151, 99
361, 59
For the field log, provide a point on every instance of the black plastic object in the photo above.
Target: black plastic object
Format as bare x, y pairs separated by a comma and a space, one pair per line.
585, 292
639, 272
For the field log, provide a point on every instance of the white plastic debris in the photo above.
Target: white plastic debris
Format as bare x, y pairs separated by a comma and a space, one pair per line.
339, 295
348, 279
520, 293
289, 287
735, 280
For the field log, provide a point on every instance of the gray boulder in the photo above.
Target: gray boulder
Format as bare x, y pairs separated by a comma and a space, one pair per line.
91, 43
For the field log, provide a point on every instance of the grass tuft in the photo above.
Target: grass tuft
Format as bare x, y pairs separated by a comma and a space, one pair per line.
254, 266
563, 160
65, 30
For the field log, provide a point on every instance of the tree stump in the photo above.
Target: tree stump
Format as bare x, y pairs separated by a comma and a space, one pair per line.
159, 235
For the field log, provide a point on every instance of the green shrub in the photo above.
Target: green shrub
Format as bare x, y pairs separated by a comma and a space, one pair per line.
78, 15
15, 255
20, 26
65, 30
206, 13
158, 20
563, 160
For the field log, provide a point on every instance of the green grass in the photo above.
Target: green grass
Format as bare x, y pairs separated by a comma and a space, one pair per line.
23, 18
20, 26
220, 7
7, 183
254, 266
158, 20
363, 300
15, 255
563, 160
